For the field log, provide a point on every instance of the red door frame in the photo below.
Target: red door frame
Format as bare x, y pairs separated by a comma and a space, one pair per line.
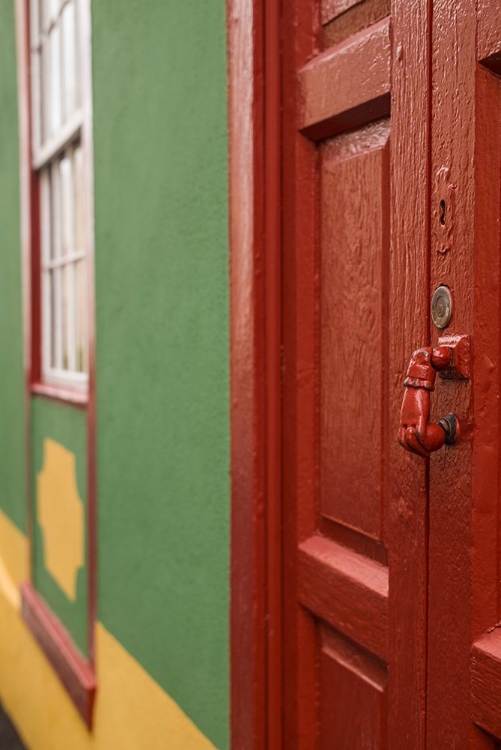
262, 65
255, 298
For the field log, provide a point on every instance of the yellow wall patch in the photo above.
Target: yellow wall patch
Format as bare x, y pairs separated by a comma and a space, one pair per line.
61, 516
14, 560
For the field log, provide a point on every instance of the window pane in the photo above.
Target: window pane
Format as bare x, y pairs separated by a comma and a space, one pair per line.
45, 218
54, 93
57, 329
81, 316
55, 246
69, 41
64, 317
46, 319
45, 14
67, 204
35, 22
44, 91
55, 76
36, 108
79, 196
51, 10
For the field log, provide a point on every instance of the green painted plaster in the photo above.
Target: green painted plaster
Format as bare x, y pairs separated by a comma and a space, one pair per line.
12, 420
160, 141
67, 426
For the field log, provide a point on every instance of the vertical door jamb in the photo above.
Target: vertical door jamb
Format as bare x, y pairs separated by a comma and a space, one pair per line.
255, 331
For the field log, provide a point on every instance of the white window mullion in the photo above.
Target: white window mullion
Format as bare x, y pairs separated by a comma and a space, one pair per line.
55, 145
72, 257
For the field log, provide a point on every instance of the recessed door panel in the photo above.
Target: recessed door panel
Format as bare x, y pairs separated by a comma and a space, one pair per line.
354, 210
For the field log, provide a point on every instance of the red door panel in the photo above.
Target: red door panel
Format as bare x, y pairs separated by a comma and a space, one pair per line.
354, 237
392, 187
338, 232
352, 695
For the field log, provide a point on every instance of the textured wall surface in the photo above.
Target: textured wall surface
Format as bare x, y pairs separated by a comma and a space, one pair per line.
162, 343
12, 433
66, 426
160, 141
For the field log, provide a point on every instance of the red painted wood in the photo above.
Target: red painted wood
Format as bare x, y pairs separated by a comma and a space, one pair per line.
354, 257
486, 562
405, 509
344, 229
489, 34
247, 303
485, 520
254, 113
300, 34
486, 682
391, 564
358, 17
417, 433
346, 590
273, 333
332, 8
456, 544
347, 85
72, 669
354, 717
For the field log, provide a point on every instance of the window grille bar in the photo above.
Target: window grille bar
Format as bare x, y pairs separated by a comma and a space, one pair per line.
55, 145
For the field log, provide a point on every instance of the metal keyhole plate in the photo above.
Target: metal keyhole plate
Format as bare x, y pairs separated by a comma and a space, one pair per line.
441, 306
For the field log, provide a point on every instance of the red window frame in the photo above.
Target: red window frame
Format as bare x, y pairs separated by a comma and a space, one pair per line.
75, 672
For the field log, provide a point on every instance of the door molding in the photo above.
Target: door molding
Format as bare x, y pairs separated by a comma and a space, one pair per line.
255, 329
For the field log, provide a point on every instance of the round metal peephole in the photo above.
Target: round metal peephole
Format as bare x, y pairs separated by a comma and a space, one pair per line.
441, 306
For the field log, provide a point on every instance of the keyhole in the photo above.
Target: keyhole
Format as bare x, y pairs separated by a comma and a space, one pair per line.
443, 208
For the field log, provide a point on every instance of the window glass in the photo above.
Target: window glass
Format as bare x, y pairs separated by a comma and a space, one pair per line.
58, 156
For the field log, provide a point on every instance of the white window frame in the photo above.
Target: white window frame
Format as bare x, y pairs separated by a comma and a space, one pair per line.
61, 364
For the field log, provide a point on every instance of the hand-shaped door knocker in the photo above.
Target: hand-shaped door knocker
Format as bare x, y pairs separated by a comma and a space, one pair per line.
417, 434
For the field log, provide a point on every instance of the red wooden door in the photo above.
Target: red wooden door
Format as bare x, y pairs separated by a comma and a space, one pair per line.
392, 187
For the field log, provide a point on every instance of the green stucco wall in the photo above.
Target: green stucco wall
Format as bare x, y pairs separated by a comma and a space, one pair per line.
160, 142
12, 421
67, 426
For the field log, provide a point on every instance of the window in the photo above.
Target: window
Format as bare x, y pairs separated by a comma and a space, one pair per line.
58, 156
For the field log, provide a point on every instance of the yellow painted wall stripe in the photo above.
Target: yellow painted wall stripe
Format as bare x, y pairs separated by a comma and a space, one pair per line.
132, 711
14, 551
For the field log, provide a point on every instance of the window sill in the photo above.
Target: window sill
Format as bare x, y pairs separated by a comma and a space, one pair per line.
61, 394
73, 670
